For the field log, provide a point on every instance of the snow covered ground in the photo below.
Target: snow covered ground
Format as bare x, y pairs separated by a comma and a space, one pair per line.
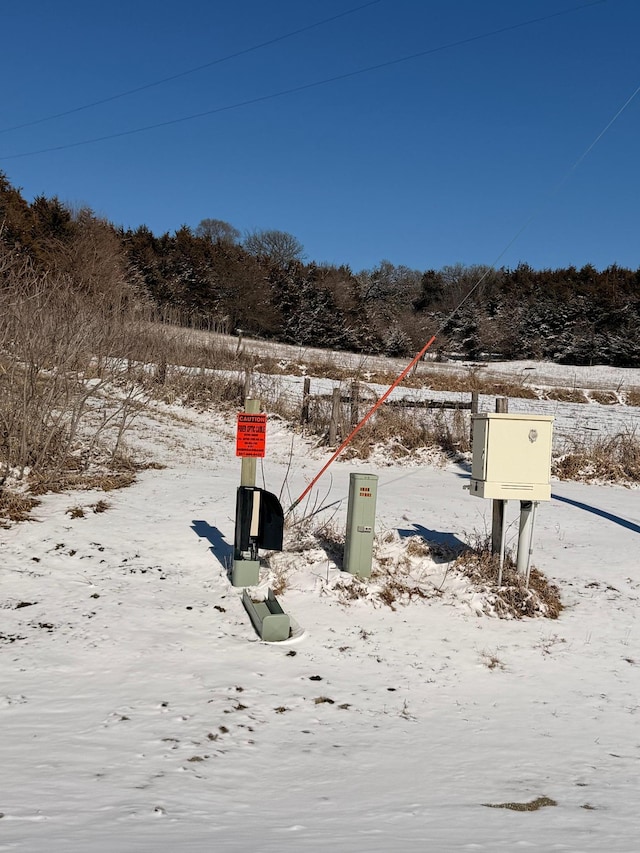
140, 712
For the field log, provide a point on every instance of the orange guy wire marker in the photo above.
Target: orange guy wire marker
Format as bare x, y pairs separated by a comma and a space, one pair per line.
357, 429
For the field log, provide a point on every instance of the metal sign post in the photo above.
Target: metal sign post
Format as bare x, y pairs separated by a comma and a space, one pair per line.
250, 445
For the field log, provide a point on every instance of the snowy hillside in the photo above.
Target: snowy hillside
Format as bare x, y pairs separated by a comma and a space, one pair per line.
140, 712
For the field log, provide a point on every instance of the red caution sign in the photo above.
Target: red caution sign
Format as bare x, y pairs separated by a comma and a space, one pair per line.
251, 435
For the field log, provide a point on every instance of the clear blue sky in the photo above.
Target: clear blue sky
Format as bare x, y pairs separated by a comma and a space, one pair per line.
432, 161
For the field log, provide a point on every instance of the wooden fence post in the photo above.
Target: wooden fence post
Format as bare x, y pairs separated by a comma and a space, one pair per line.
355, 400
161, 371
474, 411
334, 423
304, 412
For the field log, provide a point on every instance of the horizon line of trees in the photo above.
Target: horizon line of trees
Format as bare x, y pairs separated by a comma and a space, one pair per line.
214, 277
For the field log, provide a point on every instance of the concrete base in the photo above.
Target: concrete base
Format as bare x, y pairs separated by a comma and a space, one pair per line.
245, 572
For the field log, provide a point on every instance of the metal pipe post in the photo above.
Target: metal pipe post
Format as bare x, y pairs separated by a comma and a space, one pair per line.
525, 537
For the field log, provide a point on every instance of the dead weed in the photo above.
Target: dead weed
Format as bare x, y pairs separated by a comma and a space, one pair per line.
612, 459
512, 599
15, 507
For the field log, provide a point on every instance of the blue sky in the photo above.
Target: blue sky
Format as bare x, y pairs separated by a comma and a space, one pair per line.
436, 160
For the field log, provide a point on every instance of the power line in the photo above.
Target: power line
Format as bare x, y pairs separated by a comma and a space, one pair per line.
180, 74
306, 86
471, 290
534, 215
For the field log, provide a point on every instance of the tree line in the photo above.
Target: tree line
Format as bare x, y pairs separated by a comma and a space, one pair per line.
213, 277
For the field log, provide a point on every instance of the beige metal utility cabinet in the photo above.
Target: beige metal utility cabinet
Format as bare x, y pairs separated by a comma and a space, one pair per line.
511, 457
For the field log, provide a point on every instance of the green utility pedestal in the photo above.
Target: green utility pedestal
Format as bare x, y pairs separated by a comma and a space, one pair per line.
361, 517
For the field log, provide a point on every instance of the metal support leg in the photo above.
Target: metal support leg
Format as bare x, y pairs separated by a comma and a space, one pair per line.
525, 538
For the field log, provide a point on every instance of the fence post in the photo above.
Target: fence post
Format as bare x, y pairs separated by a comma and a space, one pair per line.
161, 371
304, 412
475, 397
334, 423
247, 384
355, 400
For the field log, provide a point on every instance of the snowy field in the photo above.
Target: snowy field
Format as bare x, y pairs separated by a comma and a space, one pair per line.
140, 712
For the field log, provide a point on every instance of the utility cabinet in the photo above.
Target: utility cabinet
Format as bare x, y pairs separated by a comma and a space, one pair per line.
511, 456
361, 519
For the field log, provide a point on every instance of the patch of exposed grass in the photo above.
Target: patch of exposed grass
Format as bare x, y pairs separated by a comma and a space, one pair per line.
403, 432
612, 459
15, 507
566, 395
531, 806
75, 512
605, 398
512, 599
633, 397
44, 483
201, 391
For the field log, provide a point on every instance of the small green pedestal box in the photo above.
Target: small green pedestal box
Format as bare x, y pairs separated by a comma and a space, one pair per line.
361, 518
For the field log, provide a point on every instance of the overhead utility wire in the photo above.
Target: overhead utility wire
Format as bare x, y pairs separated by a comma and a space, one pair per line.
304, 87
552, 192
180, 74
443, 324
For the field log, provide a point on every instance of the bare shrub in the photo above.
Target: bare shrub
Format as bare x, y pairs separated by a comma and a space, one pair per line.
58, 412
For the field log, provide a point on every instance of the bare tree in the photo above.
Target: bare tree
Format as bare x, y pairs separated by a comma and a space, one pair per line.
218, 231
280, 246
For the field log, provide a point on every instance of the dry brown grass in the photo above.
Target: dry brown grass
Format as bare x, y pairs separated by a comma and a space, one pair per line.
165, 343
402, 432
40, 484
474, 380
605, 398
531, 806
566, 395
512, 599
15, 507
611, 459
202, 391
399, 588
633, 397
